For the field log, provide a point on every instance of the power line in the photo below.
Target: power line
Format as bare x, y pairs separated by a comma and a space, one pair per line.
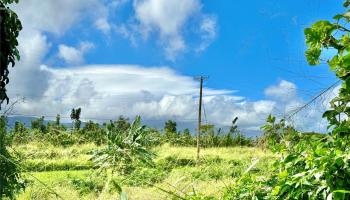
205, 114
313, 99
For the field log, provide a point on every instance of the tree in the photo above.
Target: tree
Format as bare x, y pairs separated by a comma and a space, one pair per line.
58, 120
20, 134
170, 126
333, 38
39, 124
233, 133
170, 131
186, 137
122, 123
234, 127
75, 116
10, 26
93, 133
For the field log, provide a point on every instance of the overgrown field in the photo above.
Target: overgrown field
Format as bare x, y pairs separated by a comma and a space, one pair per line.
68, 172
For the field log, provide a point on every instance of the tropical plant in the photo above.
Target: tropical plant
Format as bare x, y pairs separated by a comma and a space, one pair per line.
170, 132
58, 120
333, 38
39, 124
10, 26
277, 134
75, 116
19, 134
125, 149
318, 167
314, 169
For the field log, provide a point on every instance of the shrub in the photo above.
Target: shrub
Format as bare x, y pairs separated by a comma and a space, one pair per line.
20, 134
39, 124
317, 170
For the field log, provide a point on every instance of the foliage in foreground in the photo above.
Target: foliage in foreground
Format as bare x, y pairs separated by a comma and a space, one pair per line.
10, 179
10, 26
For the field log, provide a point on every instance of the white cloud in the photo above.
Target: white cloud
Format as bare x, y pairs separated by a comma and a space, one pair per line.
156, 93
168, 20
167, 17
103, 25
28, 77
72, 55
208, 29
58, 16
106, 91
284, 91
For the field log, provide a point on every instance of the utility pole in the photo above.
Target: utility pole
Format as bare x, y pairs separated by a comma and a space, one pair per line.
201, 79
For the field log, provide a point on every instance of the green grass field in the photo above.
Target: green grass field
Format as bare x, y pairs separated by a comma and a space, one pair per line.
69, 172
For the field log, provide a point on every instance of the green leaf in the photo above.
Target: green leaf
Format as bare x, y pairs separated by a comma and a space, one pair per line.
313, 55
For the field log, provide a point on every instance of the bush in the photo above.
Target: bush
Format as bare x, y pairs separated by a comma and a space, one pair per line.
311, 168
316, 170
92, 132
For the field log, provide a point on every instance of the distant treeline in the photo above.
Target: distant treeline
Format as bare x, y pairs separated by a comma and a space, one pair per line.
60, 134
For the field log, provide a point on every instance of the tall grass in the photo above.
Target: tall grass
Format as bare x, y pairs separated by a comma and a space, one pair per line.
175, 170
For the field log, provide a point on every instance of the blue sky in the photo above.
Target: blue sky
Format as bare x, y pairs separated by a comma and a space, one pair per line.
250, 49
254, 41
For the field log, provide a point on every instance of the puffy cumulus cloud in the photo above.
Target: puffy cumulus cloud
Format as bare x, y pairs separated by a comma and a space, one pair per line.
168, 19
30, 77
168, 16
72, 55
58, 16
284, 91
106, 91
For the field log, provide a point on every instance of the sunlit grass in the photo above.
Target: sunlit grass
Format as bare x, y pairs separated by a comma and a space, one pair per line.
177, 165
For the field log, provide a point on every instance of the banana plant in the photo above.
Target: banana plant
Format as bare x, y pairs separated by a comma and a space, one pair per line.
125, 148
